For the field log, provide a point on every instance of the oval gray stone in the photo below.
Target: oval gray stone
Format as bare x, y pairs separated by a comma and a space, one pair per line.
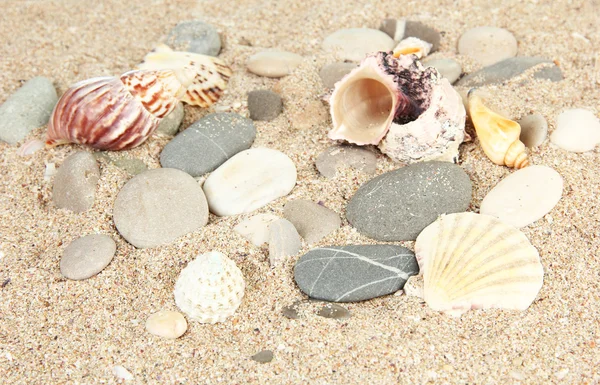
534, 129
87, 256
336, 157
313, 221
510, 68
158, 206
28, 108
284, 241
334, 72
263, 357
75, 182
195, 36
264, 105
170, 123
423, 32
448, 68
208, 143
399, 204
354, 273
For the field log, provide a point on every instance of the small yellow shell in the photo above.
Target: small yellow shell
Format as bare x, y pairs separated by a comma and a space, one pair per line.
498, 136
111, 113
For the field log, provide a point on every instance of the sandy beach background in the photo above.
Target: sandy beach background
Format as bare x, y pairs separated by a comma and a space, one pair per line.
53, 330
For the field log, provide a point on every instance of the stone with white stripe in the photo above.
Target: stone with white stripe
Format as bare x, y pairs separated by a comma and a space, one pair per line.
208, 143
354, 273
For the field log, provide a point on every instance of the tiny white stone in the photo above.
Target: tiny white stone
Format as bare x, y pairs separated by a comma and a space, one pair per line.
50, 171
577, 130
122, 373
256, 229
561, 373
273, 64
488, 45
354, 43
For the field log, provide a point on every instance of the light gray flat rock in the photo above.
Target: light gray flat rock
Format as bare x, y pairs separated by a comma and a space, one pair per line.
75, 182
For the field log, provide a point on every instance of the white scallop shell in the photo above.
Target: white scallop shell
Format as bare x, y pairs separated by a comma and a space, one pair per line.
210, 288
474, 261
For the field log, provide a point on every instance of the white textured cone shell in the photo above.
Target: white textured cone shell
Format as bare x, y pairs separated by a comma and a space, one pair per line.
434, 135
474, 261
210, 288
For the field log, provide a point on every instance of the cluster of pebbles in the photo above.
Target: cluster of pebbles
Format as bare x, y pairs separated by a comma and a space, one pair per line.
157, 206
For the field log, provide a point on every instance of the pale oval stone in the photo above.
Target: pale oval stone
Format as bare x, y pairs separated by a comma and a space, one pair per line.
249, 180
284, 241
534, 129
256, 229
448, 68
166, 324
87, 256
354, 43
273, 64
577, 130
488, 45
524, 196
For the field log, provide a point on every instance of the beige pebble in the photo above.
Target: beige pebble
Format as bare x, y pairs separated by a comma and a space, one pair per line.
488, 45
166, 324
273, 64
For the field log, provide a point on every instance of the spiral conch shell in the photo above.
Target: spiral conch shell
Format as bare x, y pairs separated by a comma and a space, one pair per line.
475, 261
498, 136
411, 112
114, 113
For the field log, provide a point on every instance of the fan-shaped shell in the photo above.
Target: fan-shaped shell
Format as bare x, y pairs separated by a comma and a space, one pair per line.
210, 288
204, 77
111, 113
474, 261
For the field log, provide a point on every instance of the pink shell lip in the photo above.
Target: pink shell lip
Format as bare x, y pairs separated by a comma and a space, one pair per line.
381, 91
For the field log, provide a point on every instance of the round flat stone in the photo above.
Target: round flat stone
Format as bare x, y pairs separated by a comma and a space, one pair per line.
354, 273
170, 123
333, 73
354, 44
488, 45
284, 241
448, 68
87, 256
256, 229
208, 143
399, 204
577, 130
313, 221
195, 36
273, 64
167, 324
524, 196
28, 108
339, 157
158, 206
534, 129
75, 182
264, 105
249, 180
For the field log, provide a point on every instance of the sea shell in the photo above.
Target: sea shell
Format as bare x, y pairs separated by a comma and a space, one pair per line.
114, 113
424, 115
204, 77
210, 288
413, 46
474, 261
498, 136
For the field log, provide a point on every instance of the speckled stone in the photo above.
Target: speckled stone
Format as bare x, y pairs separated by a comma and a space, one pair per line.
158, 206
195, 36
169, 126
208, 143
273, 64
313, 221
334, 72
338, 157
510, 68
87, 256
354, 44
488, 45
448, 68
264, 105
28, 108
75, 182
399, 204
166, 324
534, 129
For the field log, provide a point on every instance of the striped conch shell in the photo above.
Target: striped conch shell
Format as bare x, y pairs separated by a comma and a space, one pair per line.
114, 113
475, 261
498, 136
204, 77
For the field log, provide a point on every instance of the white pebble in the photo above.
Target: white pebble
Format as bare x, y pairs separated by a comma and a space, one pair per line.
50, 171
256, 229
488, 45
577, 130
354, 43
30, 147
273, 64
122, 373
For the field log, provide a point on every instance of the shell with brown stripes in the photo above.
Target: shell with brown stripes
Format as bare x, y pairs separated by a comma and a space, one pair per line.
474, 261
114, 113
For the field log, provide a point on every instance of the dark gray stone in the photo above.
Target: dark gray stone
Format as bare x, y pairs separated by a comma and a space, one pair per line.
312, 220
87, 256
28, 108
195, 36
509, 68
208, 143
389, 27
334, 311
264, 105
334, 72
337, 157
354, 273
423, 32
398, 205
263, 357
75, 182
